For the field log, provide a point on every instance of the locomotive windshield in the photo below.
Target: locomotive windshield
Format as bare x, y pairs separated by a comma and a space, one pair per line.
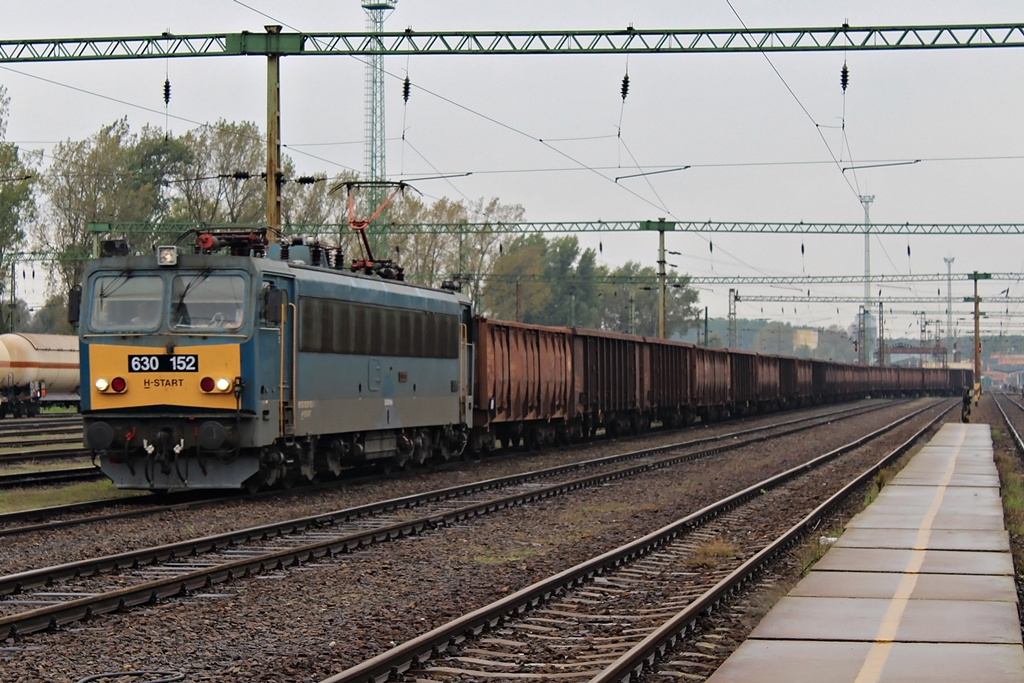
204, 301
127, 303
140, 303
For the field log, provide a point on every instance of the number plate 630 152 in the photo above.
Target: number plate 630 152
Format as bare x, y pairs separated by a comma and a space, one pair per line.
164, 363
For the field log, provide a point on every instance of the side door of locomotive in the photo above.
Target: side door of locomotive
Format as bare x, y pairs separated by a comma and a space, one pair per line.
276, 357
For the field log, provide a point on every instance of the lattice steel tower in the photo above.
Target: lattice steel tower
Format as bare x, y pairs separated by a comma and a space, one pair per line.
375, 129
866, 341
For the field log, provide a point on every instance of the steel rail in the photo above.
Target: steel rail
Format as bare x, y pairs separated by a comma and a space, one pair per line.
1017, 441
74, 610
418, 650
645, 654
183, 499
47, 477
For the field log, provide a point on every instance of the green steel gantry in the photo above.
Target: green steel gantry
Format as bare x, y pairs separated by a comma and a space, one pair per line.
274, 44
411, 42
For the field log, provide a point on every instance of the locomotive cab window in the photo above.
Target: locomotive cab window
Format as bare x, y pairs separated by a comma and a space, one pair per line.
207, 303
126, 303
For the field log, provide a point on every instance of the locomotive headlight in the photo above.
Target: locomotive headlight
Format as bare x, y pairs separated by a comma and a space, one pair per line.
209, 384
167, 256
118, 385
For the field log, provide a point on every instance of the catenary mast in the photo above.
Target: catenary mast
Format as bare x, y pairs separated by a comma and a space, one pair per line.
375, 141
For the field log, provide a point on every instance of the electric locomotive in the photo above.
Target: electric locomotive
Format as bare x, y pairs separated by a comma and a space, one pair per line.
239, 363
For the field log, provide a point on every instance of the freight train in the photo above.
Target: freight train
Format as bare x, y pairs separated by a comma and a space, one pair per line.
37, 370
241, 363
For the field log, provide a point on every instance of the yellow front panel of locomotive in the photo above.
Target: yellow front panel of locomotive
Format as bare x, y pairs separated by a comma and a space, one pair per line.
146, 386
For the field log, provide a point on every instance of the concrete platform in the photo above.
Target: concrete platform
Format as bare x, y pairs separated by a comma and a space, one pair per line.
920, 586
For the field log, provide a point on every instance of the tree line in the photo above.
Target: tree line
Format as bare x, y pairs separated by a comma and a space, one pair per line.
213, 175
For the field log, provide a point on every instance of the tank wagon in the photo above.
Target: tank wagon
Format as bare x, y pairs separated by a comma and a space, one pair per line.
239, 363
37, 370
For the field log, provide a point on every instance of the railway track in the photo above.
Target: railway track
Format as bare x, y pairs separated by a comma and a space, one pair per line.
40, 439
81, 513
616, 616
68, 475
1013, 423
92, 587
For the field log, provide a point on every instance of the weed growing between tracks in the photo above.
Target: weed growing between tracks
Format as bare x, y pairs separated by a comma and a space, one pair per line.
710, 553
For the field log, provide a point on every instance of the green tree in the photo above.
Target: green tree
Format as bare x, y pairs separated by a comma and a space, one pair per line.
50, 318
429, 257
220, 182
114, 176
17, 200
477, 250
544, 282
633, 303
572, 292
516, 289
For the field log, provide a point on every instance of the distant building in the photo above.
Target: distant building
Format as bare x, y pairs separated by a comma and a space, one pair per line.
808, 338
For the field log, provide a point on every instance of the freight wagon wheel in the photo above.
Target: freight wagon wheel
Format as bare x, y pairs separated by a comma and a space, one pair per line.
562, 435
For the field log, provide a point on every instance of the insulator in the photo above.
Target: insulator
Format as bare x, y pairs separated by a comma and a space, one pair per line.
241, 175
167, 91
406, 87
844, 77
625, 87
305, 180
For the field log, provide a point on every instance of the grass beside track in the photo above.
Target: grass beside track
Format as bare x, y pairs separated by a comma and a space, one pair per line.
43, 466
1011, 485
15, 500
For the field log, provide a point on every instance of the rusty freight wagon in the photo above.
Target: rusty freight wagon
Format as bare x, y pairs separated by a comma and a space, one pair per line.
524, 385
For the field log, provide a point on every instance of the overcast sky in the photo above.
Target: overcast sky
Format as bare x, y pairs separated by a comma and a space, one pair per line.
760, 144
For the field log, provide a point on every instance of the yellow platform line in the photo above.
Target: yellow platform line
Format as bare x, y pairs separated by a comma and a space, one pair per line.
871, 670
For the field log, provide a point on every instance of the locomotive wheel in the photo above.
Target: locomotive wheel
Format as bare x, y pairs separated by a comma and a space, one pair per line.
252, 484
